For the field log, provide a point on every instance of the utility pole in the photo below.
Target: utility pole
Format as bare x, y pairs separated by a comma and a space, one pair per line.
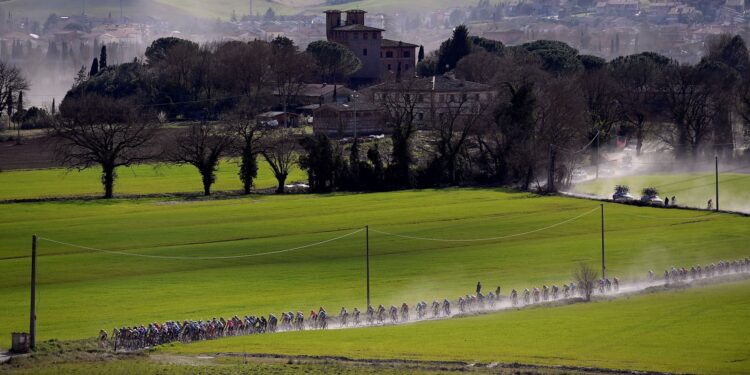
354, 95
32, 315
604, 267
597, 155
551, 171
717, 181
367, 260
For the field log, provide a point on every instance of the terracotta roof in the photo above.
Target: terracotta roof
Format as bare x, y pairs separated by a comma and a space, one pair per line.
357, 27
393, 43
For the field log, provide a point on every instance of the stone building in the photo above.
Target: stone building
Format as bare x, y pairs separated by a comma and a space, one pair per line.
380, 57
435, 96
343, 119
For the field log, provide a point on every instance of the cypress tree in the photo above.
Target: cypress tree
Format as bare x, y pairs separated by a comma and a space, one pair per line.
94, 67
103, 58
420, 57
53, 107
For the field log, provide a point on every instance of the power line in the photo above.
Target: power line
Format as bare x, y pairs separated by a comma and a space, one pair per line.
200, 258
486, 239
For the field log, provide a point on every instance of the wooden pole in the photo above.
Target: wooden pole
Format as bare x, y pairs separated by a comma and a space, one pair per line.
367, 260
717, 182
604, 267
32, 315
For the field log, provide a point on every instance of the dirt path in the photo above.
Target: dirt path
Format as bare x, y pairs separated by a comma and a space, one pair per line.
405, 366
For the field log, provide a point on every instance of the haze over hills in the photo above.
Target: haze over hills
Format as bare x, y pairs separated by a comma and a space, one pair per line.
40, 9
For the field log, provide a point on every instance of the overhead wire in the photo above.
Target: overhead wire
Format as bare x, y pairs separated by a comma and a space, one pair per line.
488, 238
174, 257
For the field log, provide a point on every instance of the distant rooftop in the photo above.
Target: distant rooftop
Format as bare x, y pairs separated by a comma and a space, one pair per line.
357, 27
393, 43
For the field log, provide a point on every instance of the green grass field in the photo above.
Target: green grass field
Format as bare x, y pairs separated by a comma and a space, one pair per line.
136, 180
692, 190
82, 291
699, 330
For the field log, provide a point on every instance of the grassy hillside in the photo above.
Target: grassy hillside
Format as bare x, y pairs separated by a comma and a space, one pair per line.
700, 330
692, 190
137, 180
82, 291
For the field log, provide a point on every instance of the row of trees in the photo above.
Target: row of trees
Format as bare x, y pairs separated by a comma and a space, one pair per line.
187, 80
551, 104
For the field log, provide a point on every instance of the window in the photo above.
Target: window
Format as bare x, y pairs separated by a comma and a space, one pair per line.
389, 66
356, 35
451, 98
464, 97
389, 54
364, 36
407, 54
407, 97
420, 116
406, 67
364, 52
441, 98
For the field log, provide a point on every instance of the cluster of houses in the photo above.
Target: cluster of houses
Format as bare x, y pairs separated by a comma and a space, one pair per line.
387, 75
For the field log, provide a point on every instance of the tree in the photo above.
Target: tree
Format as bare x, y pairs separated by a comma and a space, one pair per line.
688, 100
318, 161
94, 68
335, 62
243, 125
637, 76
270, 15
289, 69
12, 82
585, 276
400, 114
451, 130
103, 58
453, 49
202, 146
99, 131
159, 48
281, 153
420, 56
81, 77
53, 108
252, 81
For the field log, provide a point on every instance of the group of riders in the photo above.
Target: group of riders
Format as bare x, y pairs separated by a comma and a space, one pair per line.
674, 275
134, 338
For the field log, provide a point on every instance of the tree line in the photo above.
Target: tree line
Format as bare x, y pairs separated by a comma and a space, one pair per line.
551, 103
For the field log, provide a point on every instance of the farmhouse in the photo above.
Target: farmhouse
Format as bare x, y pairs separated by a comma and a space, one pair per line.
435, 96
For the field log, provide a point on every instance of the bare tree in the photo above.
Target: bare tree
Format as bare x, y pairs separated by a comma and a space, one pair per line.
100, 131
289, 70
202, 146
689, 104
12, 82
280, 149
586, 276
452, 129
401, 108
